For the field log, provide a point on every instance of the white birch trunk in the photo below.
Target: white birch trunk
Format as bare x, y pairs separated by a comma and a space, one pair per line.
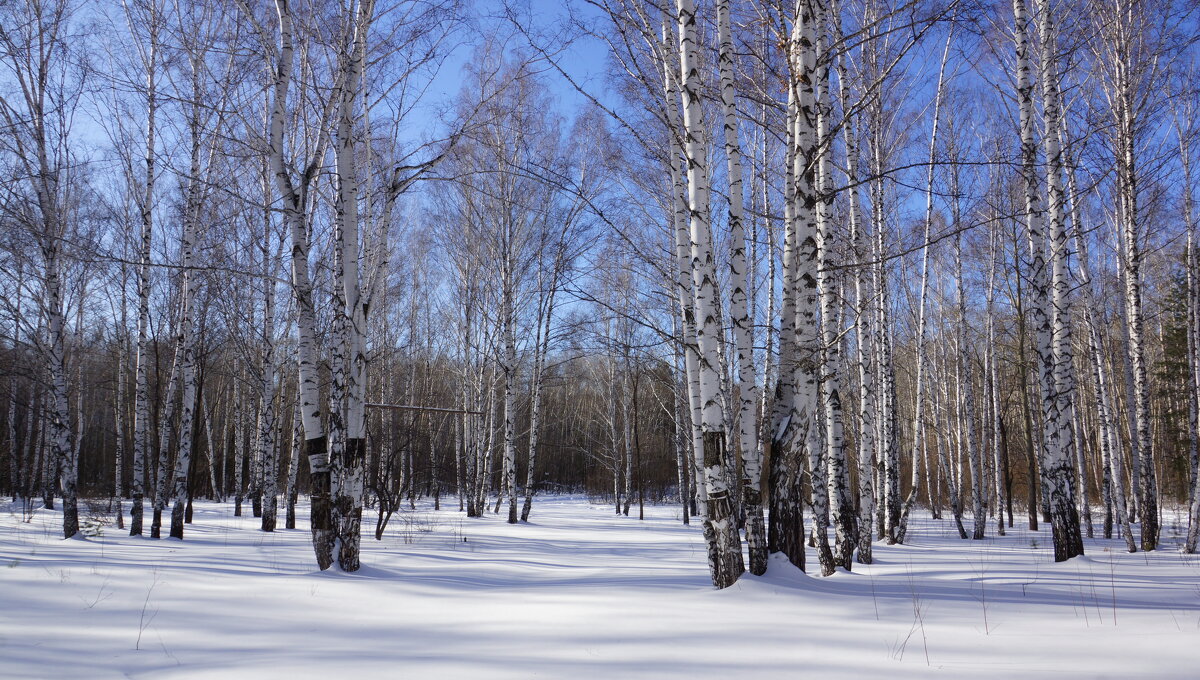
684, 287
289, 519
39, 157
942, 414
1052, 310
614, 440
627, 417
119, 422
967, 392
295, 207
19, 478
239, 449
145, 204
47, 470
487, 451
211, 455
1139, 386
62, 449
541, 348
785, 526
1051, 452
14, 453
187, 310
831, 480
889, 504
349, 499
1081, 481
508, 331
267, 449
863, 312
1193, 346
166, 430
185, 344
43, 462
1110, 443
683, 450
724, 543
992, 376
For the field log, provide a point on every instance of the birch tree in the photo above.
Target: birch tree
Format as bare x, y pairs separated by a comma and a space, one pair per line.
863, 316
39, 115
360, 232
742, 323
1186, 130
1051, 311
724, 543
197, 30
998, 443
293, 190
349, 374
785, 529
141, 183
269, 412
831, 478
684, 290
1138, 47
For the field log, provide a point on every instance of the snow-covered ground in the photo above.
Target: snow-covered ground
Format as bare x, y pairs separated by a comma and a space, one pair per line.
578, 593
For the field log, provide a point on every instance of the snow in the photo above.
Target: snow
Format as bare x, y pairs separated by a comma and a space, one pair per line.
578, 593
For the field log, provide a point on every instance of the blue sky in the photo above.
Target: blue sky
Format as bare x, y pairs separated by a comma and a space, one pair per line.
584, 59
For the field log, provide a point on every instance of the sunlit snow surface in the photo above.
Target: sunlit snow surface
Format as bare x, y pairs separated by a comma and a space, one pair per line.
579, 593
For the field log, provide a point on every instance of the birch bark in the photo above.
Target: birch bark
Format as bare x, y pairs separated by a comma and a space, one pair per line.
294, 194
541, 348
239, 449
684, 286
118, 418
33, 53
145, 205
348, 494
214, 477
267, 419
14, 453
992, 376
967, 392
863, 313
1131, 252
1054, 315
166, 432
724, 543
185, 342
289, 519
1193, 341
743, 339
509, 369
942, 414
627, 416
831, 481
785, 526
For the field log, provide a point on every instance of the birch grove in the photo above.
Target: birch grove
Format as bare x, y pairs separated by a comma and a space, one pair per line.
815, 272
